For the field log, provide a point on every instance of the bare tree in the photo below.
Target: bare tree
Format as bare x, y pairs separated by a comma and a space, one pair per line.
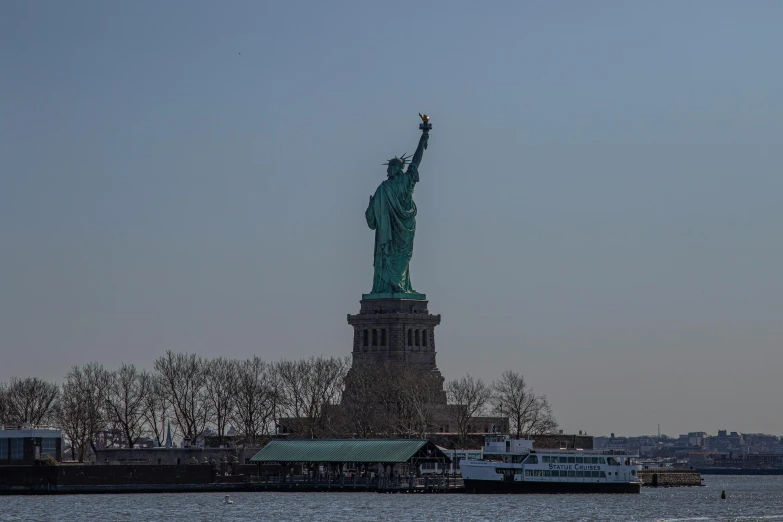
73, 417
370, 403
528, 413
3, 418
98, 384
184, 378
417, 392
290, 376
29, 401
220, 375
308, 388
468, 398
390, 400
541, 419
127, 392
156, 409
82, 411
255, 396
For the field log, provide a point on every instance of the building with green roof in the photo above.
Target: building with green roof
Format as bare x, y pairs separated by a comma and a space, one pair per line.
351, 451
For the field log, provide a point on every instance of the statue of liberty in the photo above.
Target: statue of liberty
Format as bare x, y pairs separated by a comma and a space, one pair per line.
392, 214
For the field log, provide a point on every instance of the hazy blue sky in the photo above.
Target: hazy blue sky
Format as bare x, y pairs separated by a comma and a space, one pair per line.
599, 208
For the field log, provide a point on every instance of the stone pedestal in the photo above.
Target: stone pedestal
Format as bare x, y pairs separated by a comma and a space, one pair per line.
395, 330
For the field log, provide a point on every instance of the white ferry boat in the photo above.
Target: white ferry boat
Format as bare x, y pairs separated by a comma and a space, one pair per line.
513, 466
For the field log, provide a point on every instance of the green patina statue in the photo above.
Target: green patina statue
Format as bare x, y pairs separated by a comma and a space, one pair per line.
392, 214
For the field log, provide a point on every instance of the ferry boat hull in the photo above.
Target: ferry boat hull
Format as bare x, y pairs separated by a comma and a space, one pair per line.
523, 487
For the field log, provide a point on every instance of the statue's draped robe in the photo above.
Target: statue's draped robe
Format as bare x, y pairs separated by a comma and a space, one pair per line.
392, 214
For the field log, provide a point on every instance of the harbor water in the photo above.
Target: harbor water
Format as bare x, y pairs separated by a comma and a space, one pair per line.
748, 499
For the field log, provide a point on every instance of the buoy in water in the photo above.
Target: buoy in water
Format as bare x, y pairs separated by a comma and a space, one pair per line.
227, 500
723, 495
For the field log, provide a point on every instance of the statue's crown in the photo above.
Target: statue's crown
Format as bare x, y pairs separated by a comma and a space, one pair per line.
398, 161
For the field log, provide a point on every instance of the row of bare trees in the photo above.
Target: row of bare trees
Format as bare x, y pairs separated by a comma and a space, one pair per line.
528, 413
95, 406
391, 399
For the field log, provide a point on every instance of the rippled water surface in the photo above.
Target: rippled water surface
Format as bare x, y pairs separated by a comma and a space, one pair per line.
749, 498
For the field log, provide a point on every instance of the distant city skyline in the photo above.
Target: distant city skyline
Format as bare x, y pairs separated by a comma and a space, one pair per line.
193, 177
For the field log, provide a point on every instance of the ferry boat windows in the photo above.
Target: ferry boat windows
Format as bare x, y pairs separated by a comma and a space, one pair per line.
571, 473
613, 461
603, 474
557, 459
531, 459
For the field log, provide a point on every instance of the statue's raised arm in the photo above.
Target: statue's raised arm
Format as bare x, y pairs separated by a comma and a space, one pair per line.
425, 127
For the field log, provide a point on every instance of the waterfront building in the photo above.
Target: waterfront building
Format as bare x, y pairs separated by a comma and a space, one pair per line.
27, 444
769, 461
353, 456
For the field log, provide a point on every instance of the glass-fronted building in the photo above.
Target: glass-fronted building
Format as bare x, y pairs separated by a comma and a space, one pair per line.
25, 445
